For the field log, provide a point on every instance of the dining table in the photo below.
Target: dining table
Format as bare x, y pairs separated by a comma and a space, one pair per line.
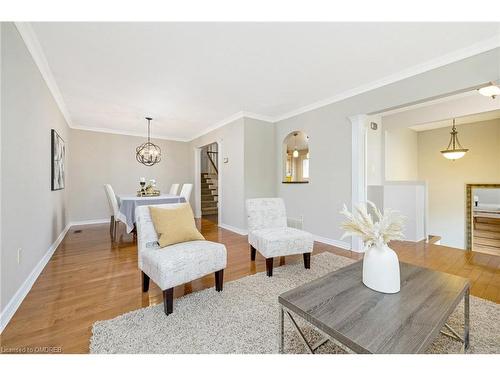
128, 203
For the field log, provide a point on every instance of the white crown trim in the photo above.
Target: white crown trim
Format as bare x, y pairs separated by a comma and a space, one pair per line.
34, 47
232, 118
125, 132
472, 50
31, 41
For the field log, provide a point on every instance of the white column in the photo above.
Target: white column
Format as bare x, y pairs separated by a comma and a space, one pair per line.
358, 176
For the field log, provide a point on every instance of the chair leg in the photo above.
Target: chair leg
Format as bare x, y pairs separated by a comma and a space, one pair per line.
134, 233
252, 252
219, 280
269, 266
307, 260
168, 301
145, 282
111, 222
114, 231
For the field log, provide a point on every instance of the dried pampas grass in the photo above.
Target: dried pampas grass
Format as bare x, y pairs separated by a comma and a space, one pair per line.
360, 223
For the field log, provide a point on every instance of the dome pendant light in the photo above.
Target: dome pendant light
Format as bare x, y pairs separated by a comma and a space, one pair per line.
148, 153
454, 150
490, 90
295, 151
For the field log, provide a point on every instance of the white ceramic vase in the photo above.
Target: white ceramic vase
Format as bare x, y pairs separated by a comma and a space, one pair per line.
381, 269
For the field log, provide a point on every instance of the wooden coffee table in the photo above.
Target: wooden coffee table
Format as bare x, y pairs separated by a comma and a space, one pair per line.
365, 321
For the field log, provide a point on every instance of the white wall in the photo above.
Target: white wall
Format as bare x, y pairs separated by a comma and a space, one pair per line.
400, 152
260, 154
374, 152
99, 158
231, 189
330, 138
409, 200
250, 172
32, 215
447, 179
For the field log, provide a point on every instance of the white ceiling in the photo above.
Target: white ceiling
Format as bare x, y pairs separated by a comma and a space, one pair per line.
192, 76
467, 107
476, 117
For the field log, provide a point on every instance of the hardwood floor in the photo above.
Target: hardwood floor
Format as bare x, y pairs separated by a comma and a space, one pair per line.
90, 279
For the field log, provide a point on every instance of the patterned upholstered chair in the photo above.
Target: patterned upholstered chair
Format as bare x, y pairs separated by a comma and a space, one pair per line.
269, 234
176, 264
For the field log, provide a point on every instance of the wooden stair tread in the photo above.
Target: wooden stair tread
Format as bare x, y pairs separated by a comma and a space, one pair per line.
487, 227
487, 234
487, 220
487, 242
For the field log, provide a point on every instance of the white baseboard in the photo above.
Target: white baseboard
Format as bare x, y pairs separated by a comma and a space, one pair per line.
240, 231
14, 303
337, 243
87, 222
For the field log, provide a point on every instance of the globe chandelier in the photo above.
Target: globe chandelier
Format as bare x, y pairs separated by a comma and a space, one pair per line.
148, 153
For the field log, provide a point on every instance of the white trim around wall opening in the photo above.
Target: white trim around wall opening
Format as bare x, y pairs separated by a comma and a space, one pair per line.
358, 177
197, 181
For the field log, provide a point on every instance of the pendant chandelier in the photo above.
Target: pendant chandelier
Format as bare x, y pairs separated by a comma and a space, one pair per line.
295, 151
148, 153
454, 150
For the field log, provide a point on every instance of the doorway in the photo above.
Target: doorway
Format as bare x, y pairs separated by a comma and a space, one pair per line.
209, 182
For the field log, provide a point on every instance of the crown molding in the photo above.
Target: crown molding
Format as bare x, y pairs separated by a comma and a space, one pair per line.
31, 41
472, 50
237, 116
125, 132
28, 35
227, 120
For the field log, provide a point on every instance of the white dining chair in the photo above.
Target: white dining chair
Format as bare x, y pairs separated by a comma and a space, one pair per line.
186, 191
174, 189
113, 206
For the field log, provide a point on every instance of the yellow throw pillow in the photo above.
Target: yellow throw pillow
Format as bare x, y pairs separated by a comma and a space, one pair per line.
174, 225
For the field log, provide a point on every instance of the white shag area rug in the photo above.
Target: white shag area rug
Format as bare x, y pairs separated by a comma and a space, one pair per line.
244, 319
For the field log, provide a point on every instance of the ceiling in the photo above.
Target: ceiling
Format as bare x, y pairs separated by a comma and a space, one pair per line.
191, 77
476, 117
465, 108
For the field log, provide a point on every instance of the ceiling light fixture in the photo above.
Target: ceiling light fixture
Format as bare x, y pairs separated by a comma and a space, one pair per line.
454, 150
148, 153
295, 151
491, 90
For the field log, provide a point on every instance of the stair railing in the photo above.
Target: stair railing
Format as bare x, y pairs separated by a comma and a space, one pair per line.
213, 156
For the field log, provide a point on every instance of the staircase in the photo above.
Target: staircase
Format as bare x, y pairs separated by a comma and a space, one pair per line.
209, 194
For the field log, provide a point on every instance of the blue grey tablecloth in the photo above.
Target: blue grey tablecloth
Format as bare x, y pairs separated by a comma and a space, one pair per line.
128, 203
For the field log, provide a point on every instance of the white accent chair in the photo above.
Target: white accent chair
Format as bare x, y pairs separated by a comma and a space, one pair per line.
113, 207
269, 234
174, 189
176, 264
186, 191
